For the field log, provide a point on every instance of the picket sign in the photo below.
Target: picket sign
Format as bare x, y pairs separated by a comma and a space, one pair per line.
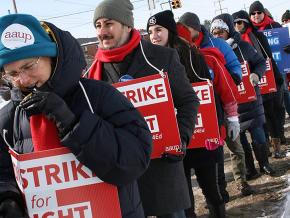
206, 128
151, 95
267, 83
245, 88
55, 184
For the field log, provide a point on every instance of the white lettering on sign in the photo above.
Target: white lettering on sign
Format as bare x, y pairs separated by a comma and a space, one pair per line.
81, 210
16, 36
241, 87
145, 93
152, 123
203, 93
268, 65
267, 33
57, 173
273, 41
244, 70
199, 123
276, 56
263, 80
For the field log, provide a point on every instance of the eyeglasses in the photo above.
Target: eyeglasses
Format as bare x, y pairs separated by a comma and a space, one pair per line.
218, 32
240, 22
256, 12
26, 69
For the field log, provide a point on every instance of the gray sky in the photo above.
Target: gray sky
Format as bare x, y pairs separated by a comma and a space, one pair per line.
76, 16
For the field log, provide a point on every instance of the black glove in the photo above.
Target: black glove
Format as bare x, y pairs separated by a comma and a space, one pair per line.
10, 209
287, 49
52, 106
175, 157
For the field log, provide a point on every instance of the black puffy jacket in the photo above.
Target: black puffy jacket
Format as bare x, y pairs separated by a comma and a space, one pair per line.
114, 142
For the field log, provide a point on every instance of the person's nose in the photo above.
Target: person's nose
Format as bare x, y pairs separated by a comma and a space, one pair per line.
23, 79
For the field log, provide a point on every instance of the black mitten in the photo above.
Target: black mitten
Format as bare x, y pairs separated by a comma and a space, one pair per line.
52, 106
175, 157
9, 208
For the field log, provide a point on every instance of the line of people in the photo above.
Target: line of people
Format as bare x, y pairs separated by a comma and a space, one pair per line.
43, 76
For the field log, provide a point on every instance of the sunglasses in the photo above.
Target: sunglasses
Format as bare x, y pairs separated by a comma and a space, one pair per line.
240, 22
257, 12
286, 20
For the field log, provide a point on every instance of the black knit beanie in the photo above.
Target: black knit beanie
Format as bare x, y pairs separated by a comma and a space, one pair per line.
191, 20
256, 6
165, 19
286, 16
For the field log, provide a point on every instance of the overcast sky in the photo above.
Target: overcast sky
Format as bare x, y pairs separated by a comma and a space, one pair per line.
76, 16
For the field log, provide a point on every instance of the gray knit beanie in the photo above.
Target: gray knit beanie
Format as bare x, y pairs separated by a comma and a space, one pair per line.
118, 10
191, 20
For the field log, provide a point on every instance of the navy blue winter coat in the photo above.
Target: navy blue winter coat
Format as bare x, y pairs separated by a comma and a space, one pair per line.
114, 141
251, 113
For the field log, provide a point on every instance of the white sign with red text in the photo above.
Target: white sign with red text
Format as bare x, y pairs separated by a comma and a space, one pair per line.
245, 88
151, 95
206, 128
267, 83
55, 184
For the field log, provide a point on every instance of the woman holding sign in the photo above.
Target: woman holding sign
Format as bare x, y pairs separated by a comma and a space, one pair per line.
163, 31
52, 107
273, 102
252, 112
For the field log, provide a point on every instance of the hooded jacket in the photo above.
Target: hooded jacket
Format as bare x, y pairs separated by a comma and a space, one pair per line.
114, 142
251, 113
261, 44
232, 63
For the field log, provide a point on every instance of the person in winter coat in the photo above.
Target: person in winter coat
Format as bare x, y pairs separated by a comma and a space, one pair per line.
163, 187
202, 38
286, 18
77, 113
275, 126
252, 113
163, 31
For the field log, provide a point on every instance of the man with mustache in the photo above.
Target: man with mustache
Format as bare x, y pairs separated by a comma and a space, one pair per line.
122, 53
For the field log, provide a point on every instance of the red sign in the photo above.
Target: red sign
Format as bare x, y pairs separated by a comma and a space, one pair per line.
245, 88
55, 184
267, 83
152, 96
206, 128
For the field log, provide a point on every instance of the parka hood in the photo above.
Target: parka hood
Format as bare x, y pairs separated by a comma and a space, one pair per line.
234, 36
69, 64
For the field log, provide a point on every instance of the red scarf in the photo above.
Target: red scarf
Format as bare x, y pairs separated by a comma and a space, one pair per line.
267, 20
113, 55
199, 39
246, 36
44, 133
184, 33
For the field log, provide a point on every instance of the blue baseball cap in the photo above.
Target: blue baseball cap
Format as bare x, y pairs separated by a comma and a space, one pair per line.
22, 36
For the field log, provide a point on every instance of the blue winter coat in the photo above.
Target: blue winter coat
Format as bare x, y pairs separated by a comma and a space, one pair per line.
114, 142
232, 63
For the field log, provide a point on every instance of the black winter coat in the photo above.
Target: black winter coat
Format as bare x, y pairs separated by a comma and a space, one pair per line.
114, 142
163, 187
251, 113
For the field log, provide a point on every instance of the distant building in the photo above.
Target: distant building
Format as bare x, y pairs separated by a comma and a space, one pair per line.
89, 46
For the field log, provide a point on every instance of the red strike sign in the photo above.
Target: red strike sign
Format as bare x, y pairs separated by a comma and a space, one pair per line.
56, 185
245, 88
151, 95
267, 83
206, 128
